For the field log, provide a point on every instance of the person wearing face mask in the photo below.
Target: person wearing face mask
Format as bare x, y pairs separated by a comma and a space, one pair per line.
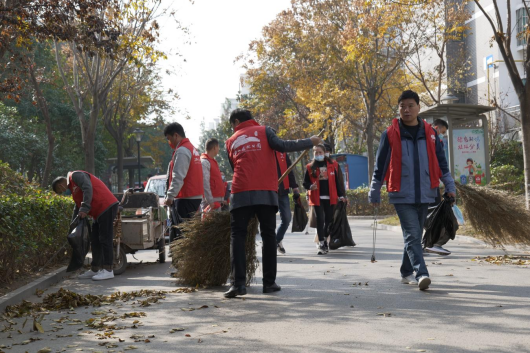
325, 189
251, 152
185, 186
441, 127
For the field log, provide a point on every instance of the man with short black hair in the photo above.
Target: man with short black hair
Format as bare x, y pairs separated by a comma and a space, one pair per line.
412, 161
93, 198
255, 193
184, 176
214, 186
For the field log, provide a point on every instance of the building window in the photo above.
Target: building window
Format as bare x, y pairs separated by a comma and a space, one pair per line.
522, 20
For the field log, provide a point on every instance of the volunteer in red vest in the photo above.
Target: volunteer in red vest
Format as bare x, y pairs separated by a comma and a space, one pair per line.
283, 162
93, 198
255, 193
184, 184
412, 161
325, 188
214, 186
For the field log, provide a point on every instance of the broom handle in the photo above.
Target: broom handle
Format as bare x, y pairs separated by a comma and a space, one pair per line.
293, 165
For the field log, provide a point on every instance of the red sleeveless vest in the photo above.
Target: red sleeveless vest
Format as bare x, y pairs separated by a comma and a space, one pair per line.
314, 195
216, 179
193, 185
282, 162
253, 159
393, 174
102, 197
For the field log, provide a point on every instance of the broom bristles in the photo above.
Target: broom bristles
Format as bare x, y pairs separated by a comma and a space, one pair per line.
499, 216
202, 257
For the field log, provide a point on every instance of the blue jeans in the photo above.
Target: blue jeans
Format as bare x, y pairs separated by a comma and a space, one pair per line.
412, 218
284, 204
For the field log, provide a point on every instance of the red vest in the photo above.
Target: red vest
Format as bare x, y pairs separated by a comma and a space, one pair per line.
282, 162
393, 174
314, 195
253, 159
193, 185
102, 197
217, 185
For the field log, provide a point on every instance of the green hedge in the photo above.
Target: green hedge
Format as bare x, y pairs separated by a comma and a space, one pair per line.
33, 225
358, 204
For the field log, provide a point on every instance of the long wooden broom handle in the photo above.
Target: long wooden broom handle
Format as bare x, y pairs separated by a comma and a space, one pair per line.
296, 162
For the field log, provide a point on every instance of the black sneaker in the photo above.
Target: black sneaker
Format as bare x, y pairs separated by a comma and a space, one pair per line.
321, 249
326, 247
280, 248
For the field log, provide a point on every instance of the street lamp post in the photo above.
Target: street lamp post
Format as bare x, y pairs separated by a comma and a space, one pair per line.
139, 133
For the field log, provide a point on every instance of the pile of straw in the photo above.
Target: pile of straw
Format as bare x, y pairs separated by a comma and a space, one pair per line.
202, 257
499, 216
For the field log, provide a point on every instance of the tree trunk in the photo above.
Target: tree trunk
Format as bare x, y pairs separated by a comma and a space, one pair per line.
370, 138
119, 146
525, 129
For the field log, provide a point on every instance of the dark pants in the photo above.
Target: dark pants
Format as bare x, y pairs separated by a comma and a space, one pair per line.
185, 208
284, 203
324, 214
239, 219
102, 238
412, 218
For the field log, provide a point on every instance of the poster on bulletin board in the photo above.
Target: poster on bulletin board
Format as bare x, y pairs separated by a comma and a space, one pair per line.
469, 156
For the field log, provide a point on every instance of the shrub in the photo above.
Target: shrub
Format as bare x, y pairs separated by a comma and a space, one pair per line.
508, 178
33, 225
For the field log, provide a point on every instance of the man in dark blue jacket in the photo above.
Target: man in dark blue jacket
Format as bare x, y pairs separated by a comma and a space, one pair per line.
412, 161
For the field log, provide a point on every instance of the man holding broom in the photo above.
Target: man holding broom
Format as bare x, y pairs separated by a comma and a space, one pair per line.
254, 193
412, 161
184, 176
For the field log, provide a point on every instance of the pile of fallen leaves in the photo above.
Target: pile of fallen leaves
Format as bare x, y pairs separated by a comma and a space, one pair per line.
202, 257
64, 299
504, 260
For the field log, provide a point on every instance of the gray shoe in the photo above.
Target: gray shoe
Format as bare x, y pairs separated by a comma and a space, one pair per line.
424, 283
409, 280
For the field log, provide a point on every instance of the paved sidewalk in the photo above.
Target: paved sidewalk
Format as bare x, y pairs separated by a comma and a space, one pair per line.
335, 303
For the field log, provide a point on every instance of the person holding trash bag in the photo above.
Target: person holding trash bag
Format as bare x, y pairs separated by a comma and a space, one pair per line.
412, 161
255, 193
325, 189
214, 186
93, 198
185, 186
283, 162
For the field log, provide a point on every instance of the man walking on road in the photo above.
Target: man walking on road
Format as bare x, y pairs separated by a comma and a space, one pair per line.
283, 162
93, 198
255, 193
412, 161
214, 186
185, 183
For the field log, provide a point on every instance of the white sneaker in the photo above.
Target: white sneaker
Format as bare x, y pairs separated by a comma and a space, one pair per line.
424, 282
88, 274
102, 275
409, 280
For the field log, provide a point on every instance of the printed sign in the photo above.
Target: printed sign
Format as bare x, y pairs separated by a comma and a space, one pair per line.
469, 156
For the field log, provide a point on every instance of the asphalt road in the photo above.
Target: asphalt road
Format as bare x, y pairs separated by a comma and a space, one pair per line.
340, 302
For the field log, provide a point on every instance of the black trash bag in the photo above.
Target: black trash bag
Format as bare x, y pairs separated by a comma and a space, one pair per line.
339, 230
439, 220
79, 240
174, 220
300, 216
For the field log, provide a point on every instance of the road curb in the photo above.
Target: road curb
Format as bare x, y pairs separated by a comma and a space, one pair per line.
465, 238
16, 296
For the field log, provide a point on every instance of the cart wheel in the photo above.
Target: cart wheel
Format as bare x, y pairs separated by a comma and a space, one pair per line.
120, 263
162, 250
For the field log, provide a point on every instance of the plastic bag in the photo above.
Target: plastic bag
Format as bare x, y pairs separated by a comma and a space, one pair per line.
459, 216
300, 216
312, 217
339, 230
440, 218
79, 240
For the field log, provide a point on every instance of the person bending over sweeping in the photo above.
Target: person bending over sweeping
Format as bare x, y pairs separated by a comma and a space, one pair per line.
93, 198
255, 193
412, 161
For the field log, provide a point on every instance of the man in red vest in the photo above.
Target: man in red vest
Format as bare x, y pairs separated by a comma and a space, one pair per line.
255, 193
412, 161
214, 186
93, 198
283, 162
184, 183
